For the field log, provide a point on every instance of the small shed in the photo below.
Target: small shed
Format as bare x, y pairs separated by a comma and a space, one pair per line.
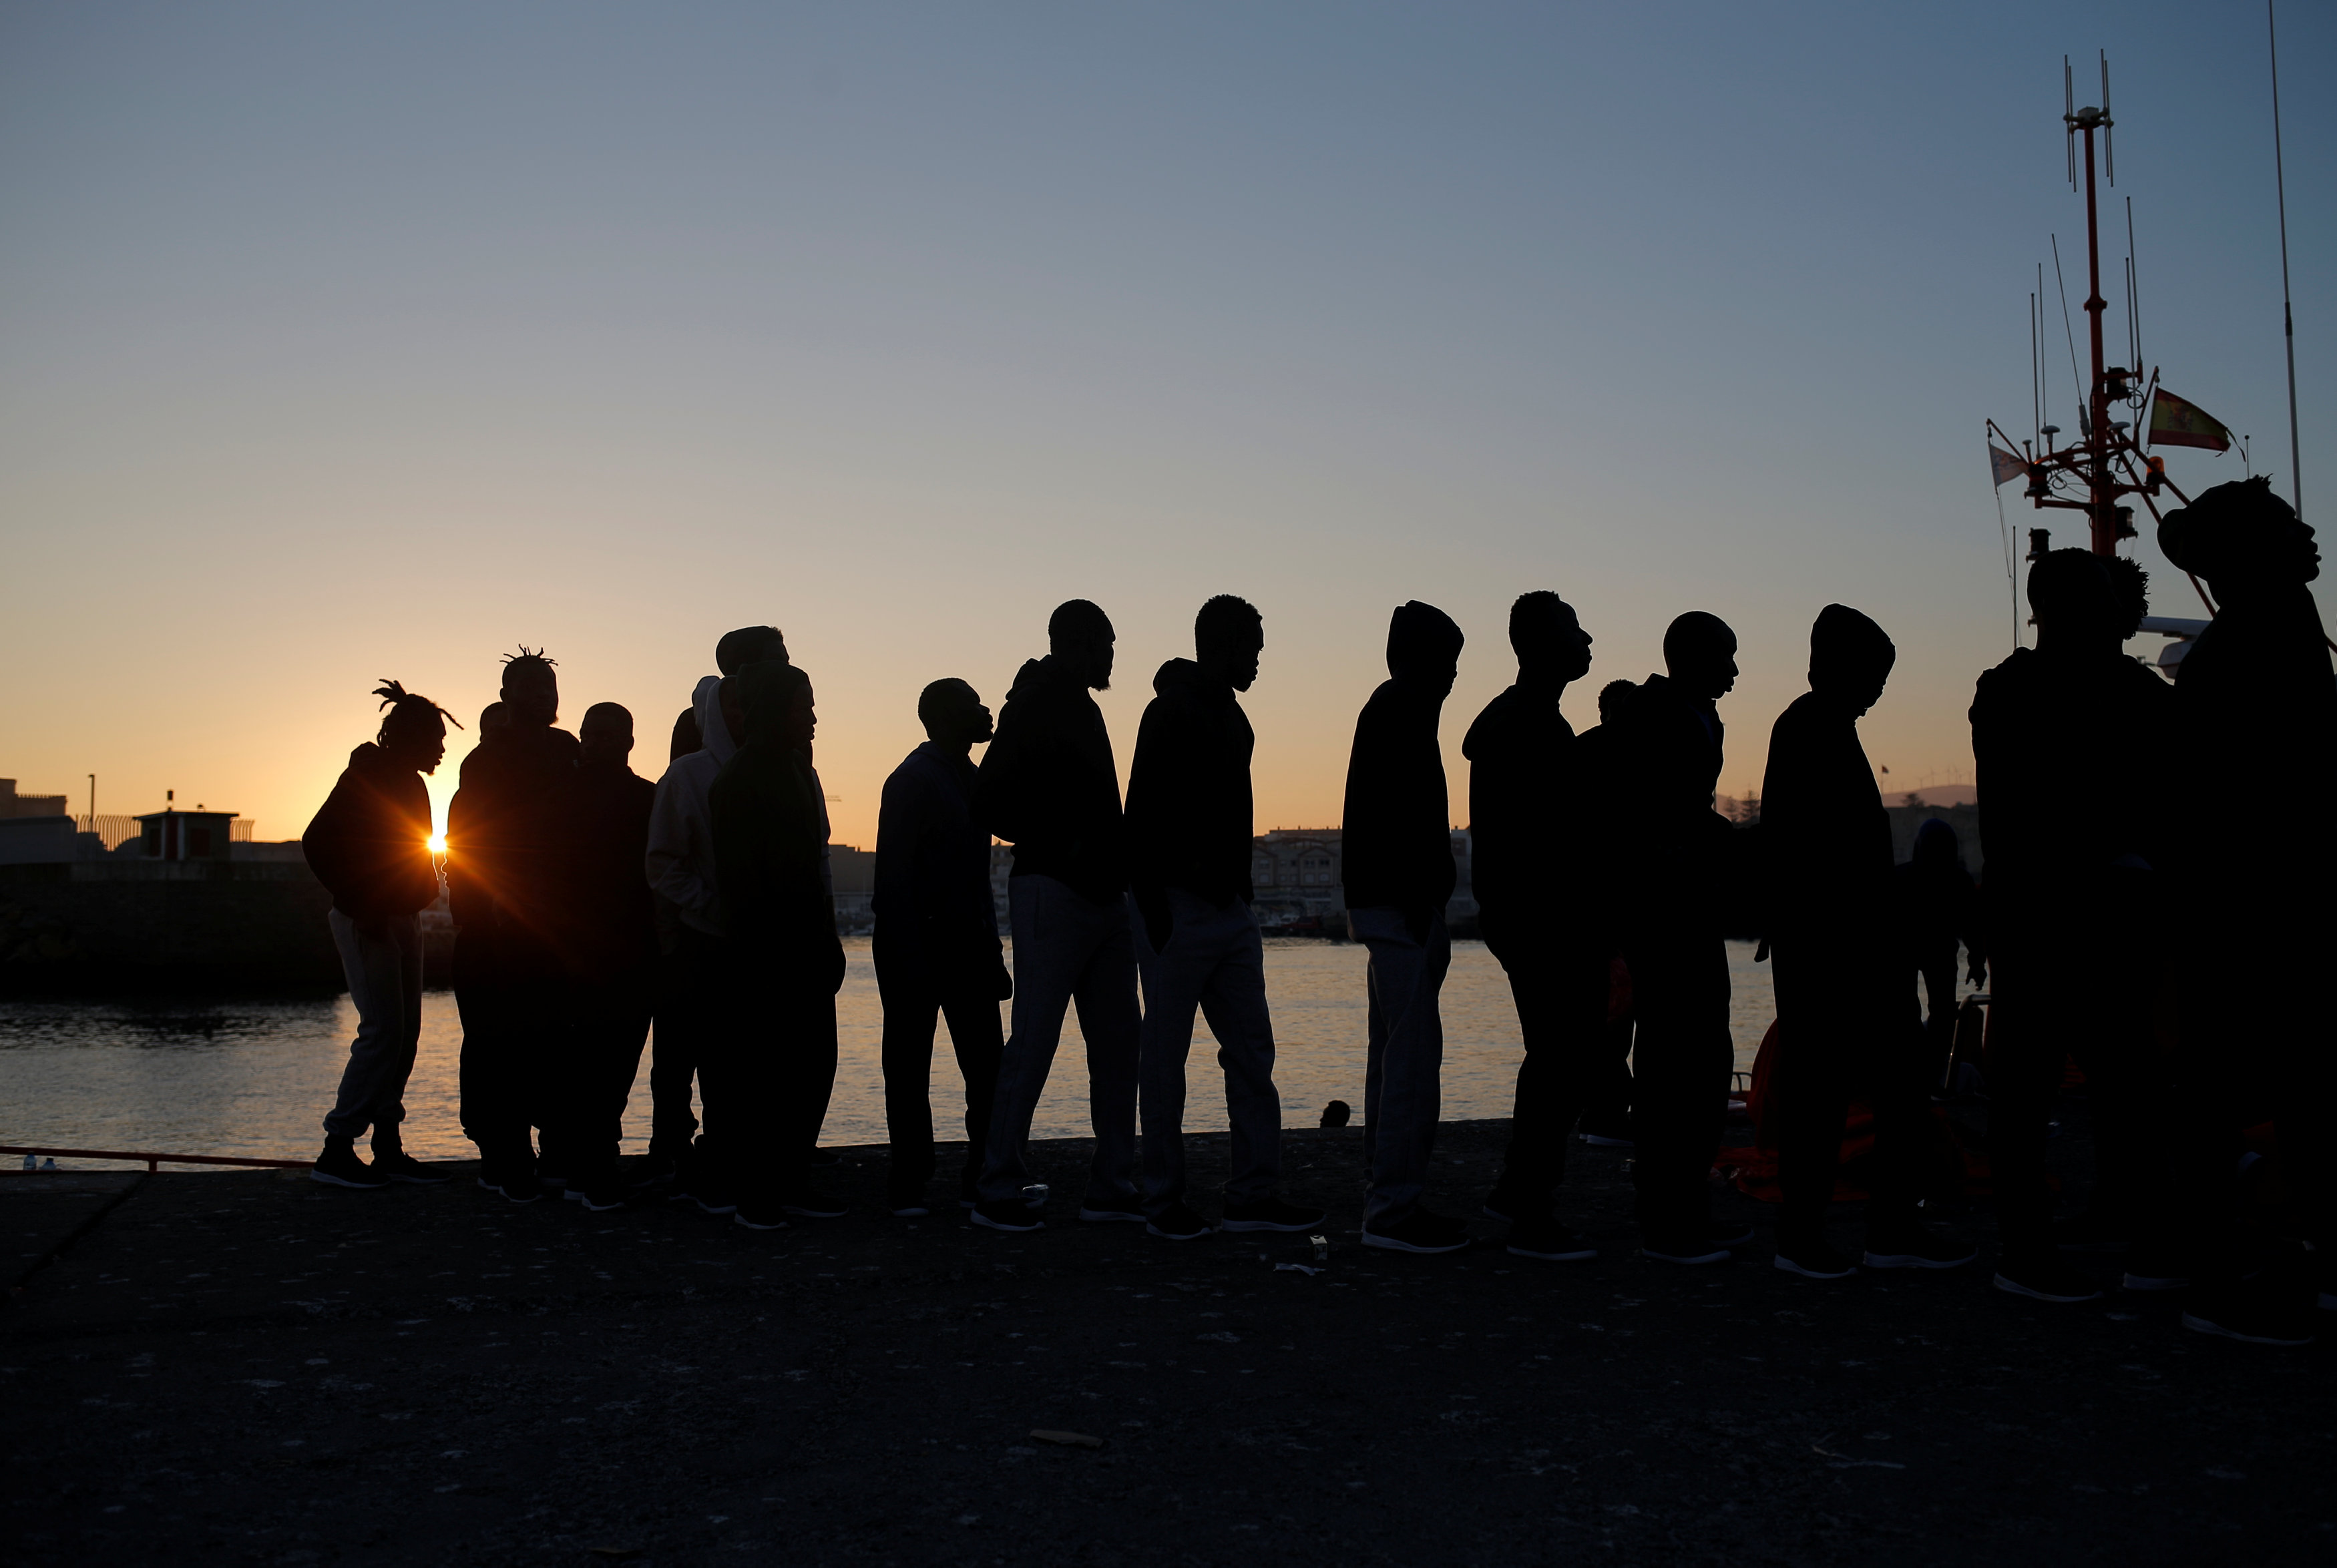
177, 835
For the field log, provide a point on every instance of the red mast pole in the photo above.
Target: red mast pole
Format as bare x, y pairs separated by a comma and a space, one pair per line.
2101, 485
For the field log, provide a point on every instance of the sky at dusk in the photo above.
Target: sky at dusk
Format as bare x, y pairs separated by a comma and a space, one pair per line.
339, 342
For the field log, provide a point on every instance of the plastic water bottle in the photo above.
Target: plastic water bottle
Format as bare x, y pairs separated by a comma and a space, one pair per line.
48, 1165
30, 1163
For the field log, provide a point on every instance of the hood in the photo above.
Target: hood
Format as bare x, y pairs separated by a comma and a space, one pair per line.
1035, 676
368, 755
1422, 641
713, 734
1183, 677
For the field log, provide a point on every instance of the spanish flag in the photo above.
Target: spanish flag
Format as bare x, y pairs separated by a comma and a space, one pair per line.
2175, 423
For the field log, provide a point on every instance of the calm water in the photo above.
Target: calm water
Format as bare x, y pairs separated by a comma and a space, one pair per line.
254, 1078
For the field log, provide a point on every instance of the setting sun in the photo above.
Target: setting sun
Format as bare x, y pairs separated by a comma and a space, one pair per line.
438, 844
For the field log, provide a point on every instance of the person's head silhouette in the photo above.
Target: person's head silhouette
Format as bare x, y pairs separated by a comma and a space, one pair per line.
777, 698
2074, 606
1080, 638
1423, 646
2131, 584
953, 715
730, 701
1936, 847
605, 738
1614, 697
1551, 647
495, 722
1849, 657
1228, 635
1700, 654
531, 691
2243, 538
749, 645
413, 729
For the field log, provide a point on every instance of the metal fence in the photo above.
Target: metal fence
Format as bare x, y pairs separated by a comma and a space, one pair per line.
113, 832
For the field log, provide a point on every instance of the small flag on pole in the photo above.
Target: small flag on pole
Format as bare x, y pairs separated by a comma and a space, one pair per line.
2175, 423
2003, 464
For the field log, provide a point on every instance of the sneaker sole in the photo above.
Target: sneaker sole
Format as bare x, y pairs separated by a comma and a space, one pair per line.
2014, 1288
1152, 1230
759, 1225
1913, 1261
1719, 1255
984, 1219
1392, 1245
1313, 1224
1785, 1265
2199, 1325
1588, 1255
332, 1181
1734, 1240
804, 1213
717, 1209
911, 1212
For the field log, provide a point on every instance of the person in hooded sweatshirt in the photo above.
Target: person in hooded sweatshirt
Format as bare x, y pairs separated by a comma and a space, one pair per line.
613, 942
1050, 786
2070, 864
1529, 807
1397, 849
507, 874
2255, 707
771, 1076
1844, 1019
1668, 879
370, 845
1197, 945
936, 944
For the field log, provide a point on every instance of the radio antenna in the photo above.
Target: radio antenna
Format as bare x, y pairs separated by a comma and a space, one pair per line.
2133, 292
2075, 380
2109, 138
2068, 122
2287, 315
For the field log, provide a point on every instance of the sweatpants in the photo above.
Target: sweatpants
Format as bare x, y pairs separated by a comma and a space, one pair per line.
1214, 962
1403, 1070
512, 1026
1846, 1027
384, 969
684, 1015
913, 1006
1680, 1063
1068, 951
767, 1079
599, 1053
1559, 980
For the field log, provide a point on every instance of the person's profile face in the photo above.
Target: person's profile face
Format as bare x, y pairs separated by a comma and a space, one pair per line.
1712, 669
1093, 662
1563, 647
1236, 659
803, 719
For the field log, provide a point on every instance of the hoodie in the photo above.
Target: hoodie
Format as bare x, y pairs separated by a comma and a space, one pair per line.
680, 857
1672, 850
1826, 839
2052, 734
1050, 785
1188, 793
369, 842
936, 923
1396, 844
1526, 797
770, 844
508, 837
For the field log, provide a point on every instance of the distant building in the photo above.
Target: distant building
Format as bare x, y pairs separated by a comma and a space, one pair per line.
177, 835
12, 805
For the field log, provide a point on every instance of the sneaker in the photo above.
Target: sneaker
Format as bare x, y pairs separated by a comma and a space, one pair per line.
1916, 1249
811, 1203
1549, 1241
2046, 1282
909, 1207
1814, 1260
1110, 1217
711, 1198
1605, 1135
397, 1165
340, 1165
1729, 1233
601, 1196
1418, 1231
1013, 1214
1177, 1224
653, 1169
761, 1217
2253, 1318
1505, 1204
519, 1186
1689, 1250
1272, 1215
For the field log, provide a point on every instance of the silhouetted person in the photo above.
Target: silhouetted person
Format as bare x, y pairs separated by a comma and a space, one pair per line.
1844, 1024
684, 738
370, 845
1050, 786
1531, 805
774, 1070
693, 1000
613, 949
1936, 908
735, 650
2070, 863
1673, 851
1606, 1118
505, 834
2256, 717
1397, 851
936, 944
2131, 585
1197, 942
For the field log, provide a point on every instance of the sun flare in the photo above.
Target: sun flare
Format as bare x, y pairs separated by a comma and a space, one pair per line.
438, 844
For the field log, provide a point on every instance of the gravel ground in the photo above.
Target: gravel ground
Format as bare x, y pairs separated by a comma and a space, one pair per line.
250, 1368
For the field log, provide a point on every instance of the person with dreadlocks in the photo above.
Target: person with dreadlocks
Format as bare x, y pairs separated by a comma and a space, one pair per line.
506, 837
370, 845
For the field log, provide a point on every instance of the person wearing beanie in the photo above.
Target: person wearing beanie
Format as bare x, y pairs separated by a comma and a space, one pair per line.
1539, 911
1844, 1020
1050, 786
2255, 704
370, 845
2069, 862
1669, 881
1397, 855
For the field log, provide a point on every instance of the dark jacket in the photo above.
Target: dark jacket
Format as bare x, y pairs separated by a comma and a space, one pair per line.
1397, 829
369, 842
1189, 796
1826, 839
770, 853
1527, 805
1672, 850
2059, 742
936, 922
508, 843
1049, 785
611, 913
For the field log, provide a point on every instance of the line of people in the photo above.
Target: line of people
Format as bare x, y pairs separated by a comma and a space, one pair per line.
588, 900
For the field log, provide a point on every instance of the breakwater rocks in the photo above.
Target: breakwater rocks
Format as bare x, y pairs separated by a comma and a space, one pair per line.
248, 1369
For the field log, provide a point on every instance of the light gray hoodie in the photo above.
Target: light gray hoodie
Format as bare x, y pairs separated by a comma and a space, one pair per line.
681, 860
